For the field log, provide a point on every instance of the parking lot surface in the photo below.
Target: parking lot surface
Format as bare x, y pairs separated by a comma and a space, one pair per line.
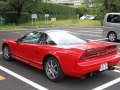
19, 76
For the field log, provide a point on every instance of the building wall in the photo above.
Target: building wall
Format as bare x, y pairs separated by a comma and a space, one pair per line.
73, 3
68, 2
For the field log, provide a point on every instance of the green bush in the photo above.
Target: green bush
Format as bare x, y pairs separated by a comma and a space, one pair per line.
54, 10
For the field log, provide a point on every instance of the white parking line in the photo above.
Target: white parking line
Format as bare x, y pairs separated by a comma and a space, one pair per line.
96, 32
84, 31
97, 39
39, 87
116, 71
31, 83
90, 31
91, 35
107, 84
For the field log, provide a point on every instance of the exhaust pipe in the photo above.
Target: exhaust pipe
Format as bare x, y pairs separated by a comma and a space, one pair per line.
117, 67
89, 75
111, 68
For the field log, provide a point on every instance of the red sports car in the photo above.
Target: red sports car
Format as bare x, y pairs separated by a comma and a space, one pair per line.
61, 53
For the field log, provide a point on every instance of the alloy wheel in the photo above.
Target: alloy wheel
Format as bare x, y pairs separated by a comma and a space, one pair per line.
6, 53
112, 37
51, 69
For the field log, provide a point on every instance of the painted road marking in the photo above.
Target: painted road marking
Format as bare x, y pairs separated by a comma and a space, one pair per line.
35, 85
98, 39
96, 32
106, 85
116, 71
91, 35
42, 88
2, 78
90, 31
31, 83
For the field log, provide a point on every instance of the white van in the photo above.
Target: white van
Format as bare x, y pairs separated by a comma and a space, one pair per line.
111, 26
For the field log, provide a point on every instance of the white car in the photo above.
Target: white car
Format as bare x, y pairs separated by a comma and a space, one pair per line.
87, 17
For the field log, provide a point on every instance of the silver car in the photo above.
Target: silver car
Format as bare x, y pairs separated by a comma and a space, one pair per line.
111, 26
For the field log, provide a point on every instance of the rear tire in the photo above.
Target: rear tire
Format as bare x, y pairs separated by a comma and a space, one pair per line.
112, 36
6, 53
53, 70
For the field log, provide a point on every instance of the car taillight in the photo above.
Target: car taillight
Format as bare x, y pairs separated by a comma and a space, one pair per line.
95, 52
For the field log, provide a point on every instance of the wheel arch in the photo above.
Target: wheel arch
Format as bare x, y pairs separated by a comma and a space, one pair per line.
4, 45
47, 56
111, 32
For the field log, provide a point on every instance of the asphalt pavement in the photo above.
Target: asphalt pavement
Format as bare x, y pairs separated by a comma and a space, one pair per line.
16, 75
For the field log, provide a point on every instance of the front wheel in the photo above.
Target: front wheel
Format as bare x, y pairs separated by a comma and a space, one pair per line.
112, 37
53, 70
6, 53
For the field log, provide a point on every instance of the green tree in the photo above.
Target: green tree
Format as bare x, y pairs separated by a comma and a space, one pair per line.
109, 5
81, 10
114, 5
3, 6
18, 5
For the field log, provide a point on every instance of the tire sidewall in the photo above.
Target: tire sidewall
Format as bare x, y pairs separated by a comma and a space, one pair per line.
10, 57
60, 72
114, 35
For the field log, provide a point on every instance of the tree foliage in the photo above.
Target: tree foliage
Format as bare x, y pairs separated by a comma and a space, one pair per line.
18, 5
106, 6
109, 5
3, 6
82, 10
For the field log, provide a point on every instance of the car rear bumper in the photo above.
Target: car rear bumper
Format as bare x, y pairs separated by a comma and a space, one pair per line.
83, 68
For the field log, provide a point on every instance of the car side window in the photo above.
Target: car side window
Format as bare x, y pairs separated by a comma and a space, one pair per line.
113, 18
32, 38
45, 39
49, 40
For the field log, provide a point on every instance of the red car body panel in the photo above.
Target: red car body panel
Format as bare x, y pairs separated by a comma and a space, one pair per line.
67, 55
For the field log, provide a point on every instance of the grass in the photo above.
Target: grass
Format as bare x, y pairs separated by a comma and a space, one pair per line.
65, 23
10, 27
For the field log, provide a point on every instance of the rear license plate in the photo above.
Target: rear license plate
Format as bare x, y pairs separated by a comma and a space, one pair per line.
104, 66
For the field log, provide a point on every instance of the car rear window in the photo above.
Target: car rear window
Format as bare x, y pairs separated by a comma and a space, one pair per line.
113, 18
64, 38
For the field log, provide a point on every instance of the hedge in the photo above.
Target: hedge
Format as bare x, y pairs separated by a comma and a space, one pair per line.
11, 17
54, 10
40, 8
